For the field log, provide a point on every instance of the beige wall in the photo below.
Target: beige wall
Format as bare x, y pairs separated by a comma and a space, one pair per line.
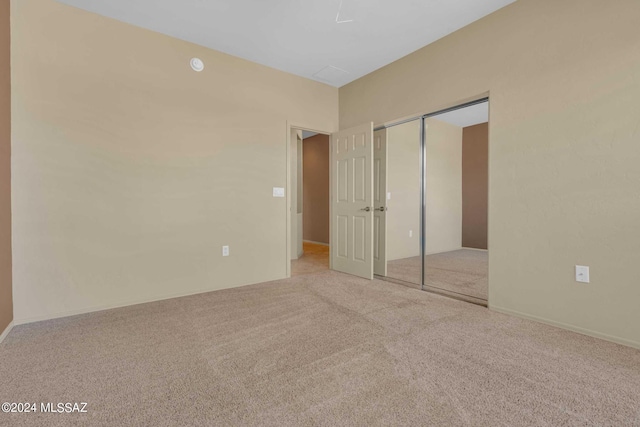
316, 188
443, 227
475, 185
130, 171
6, 300
443, 189
564, 81
403, 182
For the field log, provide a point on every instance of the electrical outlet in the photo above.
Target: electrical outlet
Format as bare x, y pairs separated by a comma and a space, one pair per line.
582, 274
225, 251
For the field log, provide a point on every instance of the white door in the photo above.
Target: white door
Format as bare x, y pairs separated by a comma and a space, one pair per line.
380, 202
352, 201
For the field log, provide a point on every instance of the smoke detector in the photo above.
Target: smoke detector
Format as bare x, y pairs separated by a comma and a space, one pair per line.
197, 64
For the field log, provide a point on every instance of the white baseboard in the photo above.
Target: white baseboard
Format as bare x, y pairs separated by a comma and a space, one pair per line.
434, 253
316, 243
129, 303
443, 252
567, 326
6, 332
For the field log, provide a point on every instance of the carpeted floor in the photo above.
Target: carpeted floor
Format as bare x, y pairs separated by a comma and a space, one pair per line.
314, 259
320, 349
463, 271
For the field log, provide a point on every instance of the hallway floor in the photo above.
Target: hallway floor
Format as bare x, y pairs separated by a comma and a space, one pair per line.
315, 259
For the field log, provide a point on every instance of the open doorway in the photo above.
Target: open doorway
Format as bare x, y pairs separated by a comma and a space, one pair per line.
310, 202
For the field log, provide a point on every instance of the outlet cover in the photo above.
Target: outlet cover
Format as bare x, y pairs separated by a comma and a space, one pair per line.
582, 274
225, 251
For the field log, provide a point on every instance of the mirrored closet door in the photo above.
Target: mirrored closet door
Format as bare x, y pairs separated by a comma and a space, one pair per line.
431, 202
456, 202
398, 209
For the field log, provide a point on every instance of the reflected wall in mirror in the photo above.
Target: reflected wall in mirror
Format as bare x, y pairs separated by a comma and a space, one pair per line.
403, 202
456, 257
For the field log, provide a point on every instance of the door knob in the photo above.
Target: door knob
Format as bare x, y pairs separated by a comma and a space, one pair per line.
367, 209
382, 209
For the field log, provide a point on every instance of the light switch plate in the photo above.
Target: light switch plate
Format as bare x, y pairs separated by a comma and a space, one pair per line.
388, 196
278, 192
225, 251
582, 274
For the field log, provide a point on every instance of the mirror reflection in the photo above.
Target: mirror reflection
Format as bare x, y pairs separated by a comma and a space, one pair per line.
456, 250
404, 262
455, 197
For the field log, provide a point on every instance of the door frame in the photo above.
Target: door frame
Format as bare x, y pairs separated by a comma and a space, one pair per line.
290, 127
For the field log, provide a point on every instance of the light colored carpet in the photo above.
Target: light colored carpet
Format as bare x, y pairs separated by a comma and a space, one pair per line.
463, 271
314, 260
320, 349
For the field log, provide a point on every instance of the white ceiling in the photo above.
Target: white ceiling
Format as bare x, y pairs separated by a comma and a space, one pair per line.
467, 116
310, 38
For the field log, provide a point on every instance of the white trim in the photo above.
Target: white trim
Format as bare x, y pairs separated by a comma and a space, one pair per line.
567, 326
475, 249
288, 202
6, 331
428, 254
299, 233
129, 303
439, 252
316, 243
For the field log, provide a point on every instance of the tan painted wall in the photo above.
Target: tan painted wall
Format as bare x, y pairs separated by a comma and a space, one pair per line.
443, 227
6, 300
564, 81
403, 182
443, 191
316, 188
475, 185
130, 170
